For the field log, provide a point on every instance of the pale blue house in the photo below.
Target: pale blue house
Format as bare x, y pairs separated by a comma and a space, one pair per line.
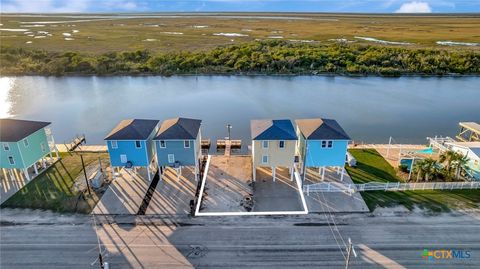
178, 143
322, 143
25, 145
130, 145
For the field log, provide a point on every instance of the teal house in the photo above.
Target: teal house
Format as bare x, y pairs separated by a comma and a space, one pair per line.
130, 145
25, 145
178, 143
322, 143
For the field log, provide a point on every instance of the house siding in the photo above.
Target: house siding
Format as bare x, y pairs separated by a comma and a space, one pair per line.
138, 157
276, 156
14, 152
317, 156
25, 156
185, 156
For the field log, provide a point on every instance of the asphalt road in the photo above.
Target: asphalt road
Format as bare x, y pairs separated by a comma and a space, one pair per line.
33, 240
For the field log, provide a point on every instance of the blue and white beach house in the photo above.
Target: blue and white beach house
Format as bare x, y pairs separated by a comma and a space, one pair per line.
178, 143
273, 145
322, 143
25, 145
130, 145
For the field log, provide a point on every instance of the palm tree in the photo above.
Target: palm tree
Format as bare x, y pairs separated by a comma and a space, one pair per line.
418, 169
459, 164
426, 169
430, 167
447, 158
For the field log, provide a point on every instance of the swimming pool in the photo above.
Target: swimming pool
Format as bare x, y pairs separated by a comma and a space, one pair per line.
426, 151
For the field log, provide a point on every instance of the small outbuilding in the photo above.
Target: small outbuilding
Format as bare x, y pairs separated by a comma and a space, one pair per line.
130, 145
25, 145
322, 143
178, 144
273, 145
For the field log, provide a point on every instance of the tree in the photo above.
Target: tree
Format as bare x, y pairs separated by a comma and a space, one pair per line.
447, 158
426, 169
460, 164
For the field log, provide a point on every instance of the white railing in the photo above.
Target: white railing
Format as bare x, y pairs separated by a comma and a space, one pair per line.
389, 186
329, 187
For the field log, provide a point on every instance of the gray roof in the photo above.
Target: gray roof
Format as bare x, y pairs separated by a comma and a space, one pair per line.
132, 129
272, 130
178, 128
319, 129
12, 130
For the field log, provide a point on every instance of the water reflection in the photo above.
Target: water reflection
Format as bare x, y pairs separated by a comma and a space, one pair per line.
370, 109
6, 85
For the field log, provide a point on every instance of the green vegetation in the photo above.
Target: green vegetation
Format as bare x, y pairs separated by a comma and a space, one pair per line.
273, 57
372, 167
53, 189
199, 32
450, 167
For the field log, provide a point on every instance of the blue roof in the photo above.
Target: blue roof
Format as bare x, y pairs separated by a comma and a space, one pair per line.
272, 130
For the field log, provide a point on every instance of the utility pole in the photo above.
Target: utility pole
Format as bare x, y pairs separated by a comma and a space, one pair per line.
100, 257
85, 173
229, 127
350, 249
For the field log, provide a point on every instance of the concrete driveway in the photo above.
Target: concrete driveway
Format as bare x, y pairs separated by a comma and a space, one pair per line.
173, 193
227, 184
338, 202
281, 195
125, 194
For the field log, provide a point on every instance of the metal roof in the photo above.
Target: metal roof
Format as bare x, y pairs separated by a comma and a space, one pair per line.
321, 129
178, 128
472, 126
272, 130
132, 129
12, 130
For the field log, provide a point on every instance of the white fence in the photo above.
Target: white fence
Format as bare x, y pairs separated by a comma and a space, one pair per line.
389, 186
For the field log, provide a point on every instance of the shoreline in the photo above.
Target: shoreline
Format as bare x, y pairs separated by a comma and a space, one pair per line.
320, 74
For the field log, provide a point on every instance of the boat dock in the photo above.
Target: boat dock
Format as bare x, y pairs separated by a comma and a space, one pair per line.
228, 145
469, 132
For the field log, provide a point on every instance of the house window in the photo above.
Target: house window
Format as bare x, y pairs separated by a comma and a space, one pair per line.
281, 144
114, 144
42, 145
186, 144
265, 159
123, 158
11, 160
327, 143
265, 144
6, 147
162, 144
138, 144
25, 142
171, 158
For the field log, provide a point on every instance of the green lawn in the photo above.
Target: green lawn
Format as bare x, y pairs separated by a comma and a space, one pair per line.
372, 167
53, 189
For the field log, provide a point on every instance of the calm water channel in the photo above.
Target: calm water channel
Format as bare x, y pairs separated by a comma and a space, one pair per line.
370, 109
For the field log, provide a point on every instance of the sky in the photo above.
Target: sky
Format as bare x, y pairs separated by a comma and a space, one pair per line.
361, 6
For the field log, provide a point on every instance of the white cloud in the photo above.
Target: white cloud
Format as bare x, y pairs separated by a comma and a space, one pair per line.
58, 6
414, 7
